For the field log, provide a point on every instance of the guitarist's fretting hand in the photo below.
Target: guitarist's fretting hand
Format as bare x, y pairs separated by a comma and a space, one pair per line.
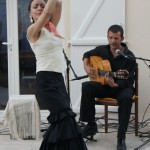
110, 81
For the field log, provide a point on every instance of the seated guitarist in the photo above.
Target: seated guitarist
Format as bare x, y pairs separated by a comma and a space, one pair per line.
120, 89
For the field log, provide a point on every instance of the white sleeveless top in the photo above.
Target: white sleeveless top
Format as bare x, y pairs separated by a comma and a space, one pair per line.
48, 50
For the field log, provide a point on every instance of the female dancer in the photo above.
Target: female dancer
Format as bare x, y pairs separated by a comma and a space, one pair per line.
64, 132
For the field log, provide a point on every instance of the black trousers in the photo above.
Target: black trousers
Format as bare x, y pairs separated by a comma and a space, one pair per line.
92, 90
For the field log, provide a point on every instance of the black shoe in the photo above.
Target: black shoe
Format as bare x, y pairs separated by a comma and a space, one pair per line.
89, 130
121, 145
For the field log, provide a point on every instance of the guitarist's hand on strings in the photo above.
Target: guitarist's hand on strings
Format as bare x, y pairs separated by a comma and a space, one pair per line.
91, 72
110, 81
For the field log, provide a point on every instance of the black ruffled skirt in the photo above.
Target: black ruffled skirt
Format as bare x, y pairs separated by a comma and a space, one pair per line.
63, 133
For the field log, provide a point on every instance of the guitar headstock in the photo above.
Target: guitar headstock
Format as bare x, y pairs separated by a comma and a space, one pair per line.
122, 74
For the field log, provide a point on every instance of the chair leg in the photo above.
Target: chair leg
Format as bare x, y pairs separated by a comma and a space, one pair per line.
106, 118
136, 117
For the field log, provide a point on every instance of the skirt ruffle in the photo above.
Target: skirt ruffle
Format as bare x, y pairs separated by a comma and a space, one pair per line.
63, 132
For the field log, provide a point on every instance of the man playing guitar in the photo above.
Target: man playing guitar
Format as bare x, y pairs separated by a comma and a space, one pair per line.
118, 88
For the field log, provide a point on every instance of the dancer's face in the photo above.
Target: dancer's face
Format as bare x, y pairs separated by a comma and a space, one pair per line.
36, 9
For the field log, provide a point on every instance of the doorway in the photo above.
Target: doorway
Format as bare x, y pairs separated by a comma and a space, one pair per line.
3, 56
17, 61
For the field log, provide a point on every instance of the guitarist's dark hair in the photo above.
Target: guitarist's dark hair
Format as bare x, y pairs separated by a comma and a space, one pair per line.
116, 28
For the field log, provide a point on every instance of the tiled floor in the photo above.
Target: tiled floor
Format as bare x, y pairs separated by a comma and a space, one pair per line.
104, 141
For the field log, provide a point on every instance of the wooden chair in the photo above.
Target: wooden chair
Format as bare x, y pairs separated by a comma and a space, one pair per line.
113, 102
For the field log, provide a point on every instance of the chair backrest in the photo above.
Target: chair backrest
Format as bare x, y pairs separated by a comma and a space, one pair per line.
136, 79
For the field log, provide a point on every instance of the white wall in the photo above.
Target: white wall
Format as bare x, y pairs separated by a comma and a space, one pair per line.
138, 37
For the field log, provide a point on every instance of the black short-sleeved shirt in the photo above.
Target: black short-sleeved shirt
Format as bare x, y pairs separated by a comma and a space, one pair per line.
116, 63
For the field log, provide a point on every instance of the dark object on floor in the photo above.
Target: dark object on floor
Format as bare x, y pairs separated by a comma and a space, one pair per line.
121, 145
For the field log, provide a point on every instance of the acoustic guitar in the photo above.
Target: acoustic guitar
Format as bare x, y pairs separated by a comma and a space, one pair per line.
102, 67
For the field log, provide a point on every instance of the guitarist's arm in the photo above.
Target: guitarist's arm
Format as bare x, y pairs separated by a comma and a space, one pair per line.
89, 70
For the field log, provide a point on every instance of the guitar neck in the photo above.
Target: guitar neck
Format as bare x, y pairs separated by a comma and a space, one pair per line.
102, 73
